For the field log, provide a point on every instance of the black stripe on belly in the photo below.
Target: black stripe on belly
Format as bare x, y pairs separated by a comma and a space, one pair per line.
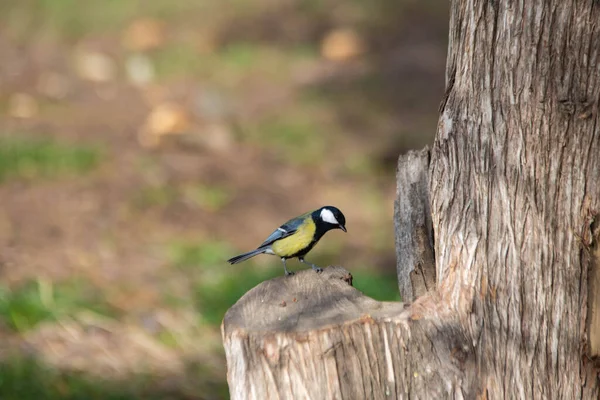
303, 252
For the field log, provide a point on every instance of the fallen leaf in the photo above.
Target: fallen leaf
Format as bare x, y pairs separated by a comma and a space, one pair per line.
94, 66
165, 119
144, 34
140, 69
22, 105
342, 45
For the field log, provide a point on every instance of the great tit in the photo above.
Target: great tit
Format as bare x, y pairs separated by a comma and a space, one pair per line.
298, 236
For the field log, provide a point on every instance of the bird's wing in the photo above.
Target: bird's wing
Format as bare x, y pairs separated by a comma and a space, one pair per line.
285, 230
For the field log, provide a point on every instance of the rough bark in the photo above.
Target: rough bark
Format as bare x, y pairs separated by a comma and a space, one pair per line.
415, 263
515, 195
515, 175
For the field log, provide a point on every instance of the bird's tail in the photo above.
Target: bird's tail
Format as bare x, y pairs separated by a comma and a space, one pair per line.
245, 256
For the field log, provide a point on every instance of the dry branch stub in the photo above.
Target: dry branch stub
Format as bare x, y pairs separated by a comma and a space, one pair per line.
314, 336
415, 262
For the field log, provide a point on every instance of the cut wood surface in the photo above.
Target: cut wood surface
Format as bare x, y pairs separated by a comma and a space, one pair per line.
304, 301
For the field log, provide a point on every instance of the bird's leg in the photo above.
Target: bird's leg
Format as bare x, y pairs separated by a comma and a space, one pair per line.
287, 273
314, 267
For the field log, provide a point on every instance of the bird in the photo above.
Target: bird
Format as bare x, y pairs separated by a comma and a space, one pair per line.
298, 236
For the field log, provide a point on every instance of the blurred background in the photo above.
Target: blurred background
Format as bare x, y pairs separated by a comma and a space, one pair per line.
144, 142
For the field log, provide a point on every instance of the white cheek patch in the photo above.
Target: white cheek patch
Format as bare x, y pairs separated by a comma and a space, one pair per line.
327, 216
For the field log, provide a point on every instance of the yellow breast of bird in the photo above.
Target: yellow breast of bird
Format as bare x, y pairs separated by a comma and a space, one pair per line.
297, 242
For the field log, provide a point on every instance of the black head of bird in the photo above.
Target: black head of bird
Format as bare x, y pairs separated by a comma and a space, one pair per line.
332, 218
298, 236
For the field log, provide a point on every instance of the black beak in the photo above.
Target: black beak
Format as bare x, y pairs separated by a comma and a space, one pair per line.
342, 227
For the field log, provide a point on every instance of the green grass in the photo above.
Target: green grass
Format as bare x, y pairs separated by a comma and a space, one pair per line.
361, 165
378, 286
33, 158
185, 255
67, 18
215, 296
230, 282
209, 198
226, 66
179, 59
215, 284
28, 379
206, 197
153, 196
241, 55
24, 307
296, 139
276, 61
71, 20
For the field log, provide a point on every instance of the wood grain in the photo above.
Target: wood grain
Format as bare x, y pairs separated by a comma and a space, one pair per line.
313, 336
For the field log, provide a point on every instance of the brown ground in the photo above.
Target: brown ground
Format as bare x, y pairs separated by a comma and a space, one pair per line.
109, 229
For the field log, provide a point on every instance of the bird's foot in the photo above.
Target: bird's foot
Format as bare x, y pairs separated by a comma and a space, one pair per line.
314, 267
289, 273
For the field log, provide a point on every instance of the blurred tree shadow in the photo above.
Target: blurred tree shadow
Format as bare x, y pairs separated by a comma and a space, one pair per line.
407, 44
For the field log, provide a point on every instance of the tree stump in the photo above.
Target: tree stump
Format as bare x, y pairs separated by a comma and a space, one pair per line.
314, 336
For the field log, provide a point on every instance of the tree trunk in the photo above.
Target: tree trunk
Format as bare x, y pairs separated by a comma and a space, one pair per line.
515, 181
515, 196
